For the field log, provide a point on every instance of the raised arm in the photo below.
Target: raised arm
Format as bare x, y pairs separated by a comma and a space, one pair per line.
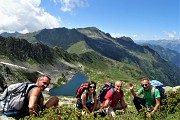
131, 87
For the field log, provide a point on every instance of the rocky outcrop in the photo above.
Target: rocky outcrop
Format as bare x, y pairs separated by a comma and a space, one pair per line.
63, 101
22, 50
26, 61
169, 89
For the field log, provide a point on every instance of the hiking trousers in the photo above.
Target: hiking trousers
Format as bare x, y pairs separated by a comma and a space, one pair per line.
138, 102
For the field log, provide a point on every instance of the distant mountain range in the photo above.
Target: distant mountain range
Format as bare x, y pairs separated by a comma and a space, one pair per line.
94, 49
6, 34
167, 49
171, 44
166, 53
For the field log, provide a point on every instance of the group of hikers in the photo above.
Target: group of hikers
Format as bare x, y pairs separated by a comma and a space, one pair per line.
114, 98
89, 100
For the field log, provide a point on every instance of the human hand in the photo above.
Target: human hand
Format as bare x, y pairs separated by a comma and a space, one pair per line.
131, 86
148, 114
124, 110
92, 113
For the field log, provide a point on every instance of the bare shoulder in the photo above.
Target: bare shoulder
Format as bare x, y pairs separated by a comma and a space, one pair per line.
84, 95
35, 91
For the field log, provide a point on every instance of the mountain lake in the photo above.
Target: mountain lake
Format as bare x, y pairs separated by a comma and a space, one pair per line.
69, 89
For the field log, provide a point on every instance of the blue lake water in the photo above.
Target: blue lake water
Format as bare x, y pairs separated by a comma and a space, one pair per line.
69, 89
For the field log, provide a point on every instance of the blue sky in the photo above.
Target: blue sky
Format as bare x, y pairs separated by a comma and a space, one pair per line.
138, 19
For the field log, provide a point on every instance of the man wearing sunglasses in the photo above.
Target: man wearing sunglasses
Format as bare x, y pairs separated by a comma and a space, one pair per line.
149, 99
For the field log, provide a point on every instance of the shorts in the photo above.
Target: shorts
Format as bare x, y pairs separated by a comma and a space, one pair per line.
109, 111
89, 105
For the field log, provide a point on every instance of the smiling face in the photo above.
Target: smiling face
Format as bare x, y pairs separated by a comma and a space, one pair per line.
43, 82
118, 86
92, 87
145, 84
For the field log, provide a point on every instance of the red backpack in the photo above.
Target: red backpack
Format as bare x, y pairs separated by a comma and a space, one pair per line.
81, 89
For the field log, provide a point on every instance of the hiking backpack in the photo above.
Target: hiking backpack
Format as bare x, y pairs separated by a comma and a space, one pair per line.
157, 84
13, 98
81, 89
107, 86
79, 92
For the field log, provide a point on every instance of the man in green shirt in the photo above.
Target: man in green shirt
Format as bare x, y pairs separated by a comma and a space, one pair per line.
149, 98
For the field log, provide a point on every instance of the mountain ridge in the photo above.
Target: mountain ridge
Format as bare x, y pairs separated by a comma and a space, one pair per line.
122, 50
166, 53
171, 44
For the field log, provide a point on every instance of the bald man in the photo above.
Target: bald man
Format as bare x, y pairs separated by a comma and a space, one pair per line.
112, 98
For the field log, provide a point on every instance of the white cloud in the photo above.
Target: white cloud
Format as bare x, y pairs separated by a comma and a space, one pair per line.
69, 5
135, 36
25, 16
170, 35
117, 35
156, 37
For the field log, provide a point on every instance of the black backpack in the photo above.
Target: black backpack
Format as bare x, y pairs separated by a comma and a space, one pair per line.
107, 86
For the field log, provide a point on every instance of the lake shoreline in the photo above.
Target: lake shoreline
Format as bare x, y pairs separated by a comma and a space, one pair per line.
70, 87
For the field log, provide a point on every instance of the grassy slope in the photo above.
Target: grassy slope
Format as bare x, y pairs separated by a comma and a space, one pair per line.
79, 48
104, 69
101, 69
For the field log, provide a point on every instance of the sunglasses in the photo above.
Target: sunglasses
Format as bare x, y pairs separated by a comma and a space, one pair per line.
144, 85
45, 83
92, 87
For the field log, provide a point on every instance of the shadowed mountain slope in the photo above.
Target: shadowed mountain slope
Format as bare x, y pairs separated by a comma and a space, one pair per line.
120, 49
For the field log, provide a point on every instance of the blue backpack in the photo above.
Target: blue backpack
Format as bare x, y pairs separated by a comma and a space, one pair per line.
157, 84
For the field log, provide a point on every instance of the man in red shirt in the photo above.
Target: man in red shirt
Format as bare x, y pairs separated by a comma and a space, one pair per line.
112, 98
